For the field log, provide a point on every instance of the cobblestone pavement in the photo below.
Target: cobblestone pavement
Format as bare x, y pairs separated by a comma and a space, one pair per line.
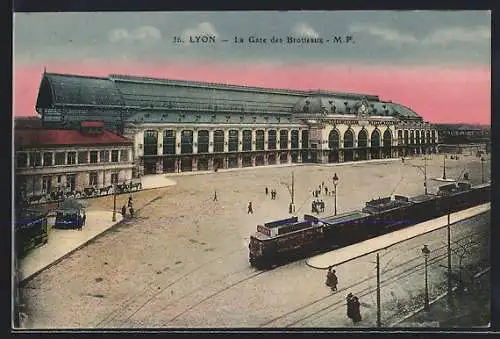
183, 262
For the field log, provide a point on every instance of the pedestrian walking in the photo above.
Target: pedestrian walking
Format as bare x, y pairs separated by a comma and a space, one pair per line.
331, 279
215, 196
250, 208
267, 191
124, 211
130, 202
322, 205
326, 191
356, 315
403, 160
349, 305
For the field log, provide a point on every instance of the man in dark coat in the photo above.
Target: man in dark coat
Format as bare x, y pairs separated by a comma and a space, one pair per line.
331, 279
356, 315
250, 208
267, 191
349, 306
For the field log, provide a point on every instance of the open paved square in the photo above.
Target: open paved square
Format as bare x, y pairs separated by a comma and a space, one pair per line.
183, 262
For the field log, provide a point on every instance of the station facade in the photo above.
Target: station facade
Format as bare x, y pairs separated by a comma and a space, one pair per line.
179, 126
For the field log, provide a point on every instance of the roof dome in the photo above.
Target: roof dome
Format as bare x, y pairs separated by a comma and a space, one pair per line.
326, 105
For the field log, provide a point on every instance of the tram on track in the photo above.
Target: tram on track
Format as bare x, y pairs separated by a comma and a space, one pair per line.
282, 241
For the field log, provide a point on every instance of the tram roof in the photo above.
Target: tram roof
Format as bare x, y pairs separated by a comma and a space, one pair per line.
422, 198
345, 217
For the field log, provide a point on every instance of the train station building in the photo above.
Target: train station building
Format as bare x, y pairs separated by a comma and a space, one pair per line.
179, 126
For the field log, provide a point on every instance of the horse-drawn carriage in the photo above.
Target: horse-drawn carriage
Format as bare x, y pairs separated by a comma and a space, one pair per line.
86, 192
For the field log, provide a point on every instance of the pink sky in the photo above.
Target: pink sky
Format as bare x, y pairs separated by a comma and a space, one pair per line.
439, 95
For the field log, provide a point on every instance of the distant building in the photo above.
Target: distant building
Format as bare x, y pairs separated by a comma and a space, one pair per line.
463, 133
179, 126
48, 160
464, 138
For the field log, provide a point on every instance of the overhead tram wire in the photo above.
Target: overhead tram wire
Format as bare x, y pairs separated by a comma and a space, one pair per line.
368, 290
365, 280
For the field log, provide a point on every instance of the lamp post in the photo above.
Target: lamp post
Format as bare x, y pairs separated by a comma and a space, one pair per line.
444, 167
335, 180
482, 169
426, 252
114, 202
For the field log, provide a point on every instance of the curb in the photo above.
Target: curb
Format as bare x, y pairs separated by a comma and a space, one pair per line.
33, 275
439, 297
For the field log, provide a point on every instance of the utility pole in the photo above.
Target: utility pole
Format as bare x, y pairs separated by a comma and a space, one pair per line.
449, 261
379, 324
425, 173
482, 170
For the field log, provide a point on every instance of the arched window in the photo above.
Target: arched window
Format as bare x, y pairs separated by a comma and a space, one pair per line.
305, 139
406, 137
271, 139
333, 139
433, 139
295, 138
388, 138
348, 139
417, 137
169, 141
412, 137
150, 142
375, 138
219, 141
362, 138
187, 142
400, 137
233, 140
203, 141
259, 140
247, 140
428, 137
283, 139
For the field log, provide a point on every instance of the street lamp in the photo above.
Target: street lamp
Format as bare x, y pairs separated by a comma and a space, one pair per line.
482, 169
335, 180
426, 252
114, 202
444, 167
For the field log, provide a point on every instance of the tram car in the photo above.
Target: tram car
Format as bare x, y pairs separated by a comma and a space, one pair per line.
31, 231
283, 241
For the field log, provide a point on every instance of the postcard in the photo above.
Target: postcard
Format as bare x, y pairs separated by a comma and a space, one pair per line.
252, 170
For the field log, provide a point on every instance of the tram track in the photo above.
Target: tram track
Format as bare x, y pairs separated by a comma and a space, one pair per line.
369, 278
128, 302
369, 290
